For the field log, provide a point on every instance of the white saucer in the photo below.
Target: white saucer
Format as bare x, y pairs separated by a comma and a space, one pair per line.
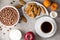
38, 25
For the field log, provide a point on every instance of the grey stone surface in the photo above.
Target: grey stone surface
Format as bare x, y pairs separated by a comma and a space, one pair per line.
29, 26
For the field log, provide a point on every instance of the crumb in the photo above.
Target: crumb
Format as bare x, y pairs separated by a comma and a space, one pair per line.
0, 28
11, 3
15, 25
7, 30
3, 33
10, 28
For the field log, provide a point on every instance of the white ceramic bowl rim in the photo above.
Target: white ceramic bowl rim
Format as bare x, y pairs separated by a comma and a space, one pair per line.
17, 12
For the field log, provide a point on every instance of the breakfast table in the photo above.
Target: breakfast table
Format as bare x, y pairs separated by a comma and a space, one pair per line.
30, 25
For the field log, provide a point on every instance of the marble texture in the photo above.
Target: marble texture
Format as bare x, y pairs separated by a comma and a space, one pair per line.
29, 26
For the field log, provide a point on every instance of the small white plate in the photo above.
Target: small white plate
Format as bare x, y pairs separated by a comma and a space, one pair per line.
38, 26
41, 14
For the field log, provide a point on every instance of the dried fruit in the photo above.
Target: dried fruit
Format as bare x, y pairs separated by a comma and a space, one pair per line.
18, 6
22, 2
54, 6
47, 3
24, 19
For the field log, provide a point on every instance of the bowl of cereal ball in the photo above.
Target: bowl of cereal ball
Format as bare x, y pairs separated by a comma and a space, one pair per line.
9, 16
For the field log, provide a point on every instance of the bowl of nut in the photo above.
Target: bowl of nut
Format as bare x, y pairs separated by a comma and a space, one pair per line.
34, 10
9, 16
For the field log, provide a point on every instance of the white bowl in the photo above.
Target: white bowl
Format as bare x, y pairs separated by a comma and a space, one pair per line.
53, 14
15, 34
17, 13
38, 27
41, 14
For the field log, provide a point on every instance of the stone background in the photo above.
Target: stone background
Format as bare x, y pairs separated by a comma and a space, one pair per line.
29, 26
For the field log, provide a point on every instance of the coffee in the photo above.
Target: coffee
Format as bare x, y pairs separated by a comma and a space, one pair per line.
46, 27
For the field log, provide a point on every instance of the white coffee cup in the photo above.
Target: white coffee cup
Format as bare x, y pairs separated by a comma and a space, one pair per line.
40, 21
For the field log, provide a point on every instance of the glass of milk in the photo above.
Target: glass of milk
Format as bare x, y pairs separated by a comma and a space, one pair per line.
15, 34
